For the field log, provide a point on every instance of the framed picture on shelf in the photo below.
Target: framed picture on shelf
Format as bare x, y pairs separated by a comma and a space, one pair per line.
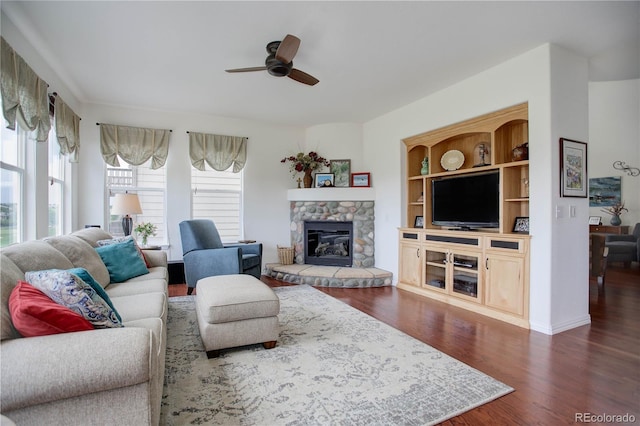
342, 171
324, 180
361, 179
573, 168
419, 222
595, 220
521, 225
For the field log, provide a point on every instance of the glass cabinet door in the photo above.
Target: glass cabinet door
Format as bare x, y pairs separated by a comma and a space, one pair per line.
435, 267
465, 277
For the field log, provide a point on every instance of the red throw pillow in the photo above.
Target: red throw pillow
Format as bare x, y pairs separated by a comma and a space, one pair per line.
33, 313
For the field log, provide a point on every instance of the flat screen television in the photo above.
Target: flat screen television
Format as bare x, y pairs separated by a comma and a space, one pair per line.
466, 201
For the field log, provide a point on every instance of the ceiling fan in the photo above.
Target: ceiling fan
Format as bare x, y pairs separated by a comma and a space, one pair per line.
279, 63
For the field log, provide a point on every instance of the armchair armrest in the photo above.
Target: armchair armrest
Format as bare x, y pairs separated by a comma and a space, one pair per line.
623, 237
208, 262
253, 248
37, 370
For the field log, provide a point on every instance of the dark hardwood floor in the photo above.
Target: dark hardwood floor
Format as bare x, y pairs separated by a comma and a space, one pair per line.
593, 369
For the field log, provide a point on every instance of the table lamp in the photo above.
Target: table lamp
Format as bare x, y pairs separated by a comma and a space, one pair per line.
126, 204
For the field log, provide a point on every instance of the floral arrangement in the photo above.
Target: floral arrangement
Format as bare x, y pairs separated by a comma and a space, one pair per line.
616, 209
145, 230
305, 162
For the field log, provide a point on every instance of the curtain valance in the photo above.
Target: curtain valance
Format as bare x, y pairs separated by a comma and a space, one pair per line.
135, 145
218, 151
24, 94
67, 129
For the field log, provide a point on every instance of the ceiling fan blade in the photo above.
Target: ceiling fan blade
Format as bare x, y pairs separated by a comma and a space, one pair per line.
288, 48
303, 77
263, 68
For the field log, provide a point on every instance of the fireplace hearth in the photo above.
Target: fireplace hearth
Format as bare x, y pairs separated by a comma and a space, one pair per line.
328, 243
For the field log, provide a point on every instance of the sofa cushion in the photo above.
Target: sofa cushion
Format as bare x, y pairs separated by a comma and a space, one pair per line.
122, 260
82, 255
70, 291
34, 314
85, 276
136, 286
36, 256
140, 306
9, 276
91, 235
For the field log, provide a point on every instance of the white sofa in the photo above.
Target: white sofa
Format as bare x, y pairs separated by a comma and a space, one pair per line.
97, 377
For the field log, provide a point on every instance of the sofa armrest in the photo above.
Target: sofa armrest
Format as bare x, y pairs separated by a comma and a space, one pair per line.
37, 370
208, 262
156, 258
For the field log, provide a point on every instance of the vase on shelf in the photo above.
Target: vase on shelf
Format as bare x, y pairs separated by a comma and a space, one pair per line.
615, 220
425, 166
308, 179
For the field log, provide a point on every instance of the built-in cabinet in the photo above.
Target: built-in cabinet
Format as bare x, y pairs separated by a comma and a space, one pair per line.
486, 270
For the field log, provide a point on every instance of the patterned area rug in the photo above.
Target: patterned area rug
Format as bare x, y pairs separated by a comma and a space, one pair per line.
333, 365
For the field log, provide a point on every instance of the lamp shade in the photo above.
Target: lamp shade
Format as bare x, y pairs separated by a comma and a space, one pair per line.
126, 204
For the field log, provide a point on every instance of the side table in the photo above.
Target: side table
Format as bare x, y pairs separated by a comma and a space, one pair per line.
609, 229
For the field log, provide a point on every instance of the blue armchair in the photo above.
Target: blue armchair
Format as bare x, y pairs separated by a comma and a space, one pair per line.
204, 254
624, 248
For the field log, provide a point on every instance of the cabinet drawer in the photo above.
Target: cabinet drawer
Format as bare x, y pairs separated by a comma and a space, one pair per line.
507, 245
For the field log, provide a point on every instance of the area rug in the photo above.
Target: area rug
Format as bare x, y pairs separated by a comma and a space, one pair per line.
333, 365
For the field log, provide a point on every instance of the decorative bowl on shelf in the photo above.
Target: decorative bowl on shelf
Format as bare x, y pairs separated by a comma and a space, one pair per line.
452, 160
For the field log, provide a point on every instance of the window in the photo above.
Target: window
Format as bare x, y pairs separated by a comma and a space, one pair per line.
218, 196
12, 172
149, 184
56, 187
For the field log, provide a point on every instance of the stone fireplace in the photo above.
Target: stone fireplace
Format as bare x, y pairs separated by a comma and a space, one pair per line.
335, 205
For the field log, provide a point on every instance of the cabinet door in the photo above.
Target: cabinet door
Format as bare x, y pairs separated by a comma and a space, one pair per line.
466, 277
505, 283
410, 264
436, 267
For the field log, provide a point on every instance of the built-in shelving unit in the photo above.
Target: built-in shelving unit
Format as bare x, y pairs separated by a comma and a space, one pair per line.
485, 271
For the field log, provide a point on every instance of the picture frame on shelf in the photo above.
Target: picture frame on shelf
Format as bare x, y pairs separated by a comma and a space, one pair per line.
342, 171
573, 169
324, 180
521, 225
418, 222
595, 220
361, 180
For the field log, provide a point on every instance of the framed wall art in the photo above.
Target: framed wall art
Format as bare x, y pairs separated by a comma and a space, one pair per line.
573, 168
361, 179
324, 180
605, 191
342, 171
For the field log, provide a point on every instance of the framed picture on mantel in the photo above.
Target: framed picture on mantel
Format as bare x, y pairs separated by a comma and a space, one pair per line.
362, 180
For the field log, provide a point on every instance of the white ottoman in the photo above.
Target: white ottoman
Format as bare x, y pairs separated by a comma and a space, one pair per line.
236, 310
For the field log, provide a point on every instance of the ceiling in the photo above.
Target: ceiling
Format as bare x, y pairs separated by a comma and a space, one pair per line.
370, 57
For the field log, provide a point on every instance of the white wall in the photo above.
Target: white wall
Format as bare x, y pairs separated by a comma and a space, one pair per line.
614, 135
526, 78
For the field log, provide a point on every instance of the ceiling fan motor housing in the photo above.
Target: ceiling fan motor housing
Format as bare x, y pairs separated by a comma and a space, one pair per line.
277, 68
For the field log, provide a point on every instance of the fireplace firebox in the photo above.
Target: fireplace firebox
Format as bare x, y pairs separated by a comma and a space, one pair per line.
328, 243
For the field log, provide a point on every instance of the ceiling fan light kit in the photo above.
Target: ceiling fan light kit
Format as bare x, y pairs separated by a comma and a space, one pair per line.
279, 63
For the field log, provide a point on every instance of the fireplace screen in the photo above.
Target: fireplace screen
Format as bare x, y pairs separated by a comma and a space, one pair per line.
328, 243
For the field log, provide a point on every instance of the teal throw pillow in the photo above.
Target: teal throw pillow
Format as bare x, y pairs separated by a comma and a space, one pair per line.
68, 290
85, 276
122, 261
